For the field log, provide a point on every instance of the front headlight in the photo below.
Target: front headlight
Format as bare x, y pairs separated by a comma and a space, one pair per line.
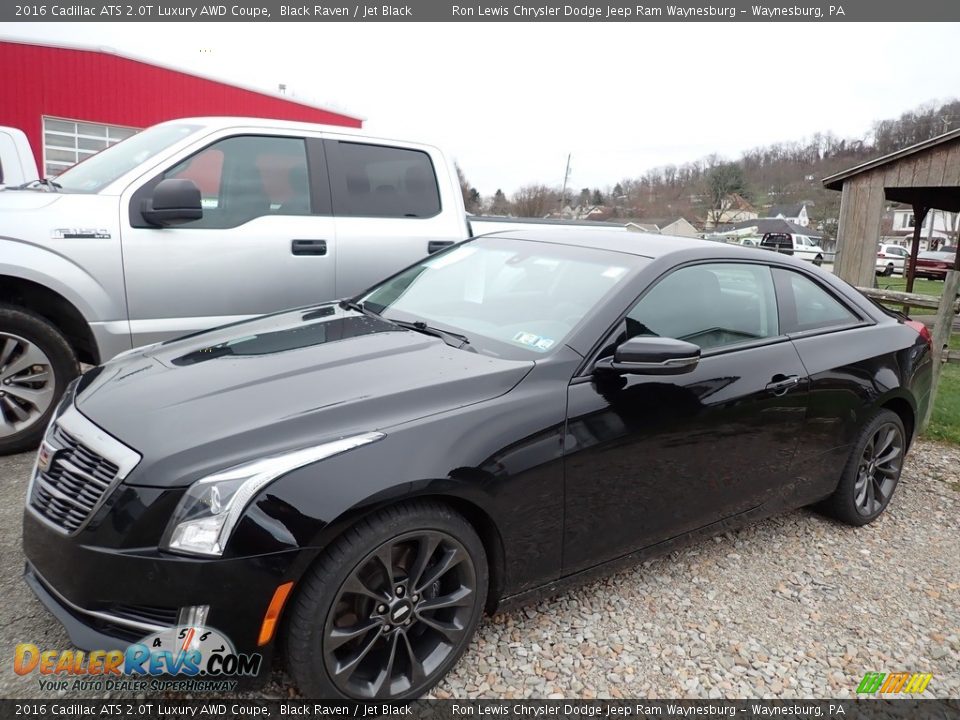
210, 509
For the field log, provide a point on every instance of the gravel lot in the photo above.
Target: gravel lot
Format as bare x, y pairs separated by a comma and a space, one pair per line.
796, 606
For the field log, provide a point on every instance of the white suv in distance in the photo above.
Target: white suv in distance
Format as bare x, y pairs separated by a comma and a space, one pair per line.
891, 259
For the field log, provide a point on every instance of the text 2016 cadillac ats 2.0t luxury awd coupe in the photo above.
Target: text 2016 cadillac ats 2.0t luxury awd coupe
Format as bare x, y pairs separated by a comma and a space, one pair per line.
349, 486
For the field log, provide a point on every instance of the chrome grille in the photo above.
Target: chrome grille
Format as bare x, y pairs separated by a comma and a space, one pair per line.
75, 479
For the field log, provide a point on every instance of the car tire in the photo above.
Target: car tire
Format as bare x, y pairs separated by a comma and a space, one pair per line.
870, 477
30, 391
356, 633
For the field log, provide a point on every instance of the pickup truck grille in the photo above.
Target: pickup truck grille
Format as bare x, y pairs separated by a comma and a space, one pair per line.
73, 478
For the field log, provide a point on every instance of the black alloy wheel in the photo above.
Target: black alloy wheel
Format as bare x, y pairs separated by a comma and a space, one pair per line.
872, 471
879, 469
391, 624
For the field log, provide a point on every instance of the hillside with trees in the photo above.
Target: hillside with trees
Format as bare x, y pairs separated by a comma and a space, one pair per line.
778, 174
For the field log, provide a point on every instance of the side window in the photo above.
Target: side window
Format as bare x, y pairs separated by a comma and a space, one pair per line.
712, 305
380, 181
808, 306
246, 177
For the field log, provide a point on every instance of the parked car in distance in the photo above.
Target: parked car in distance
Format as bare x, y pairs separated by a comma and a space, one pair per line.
800, 246
498, 418
934, 264
891, 259
197, 222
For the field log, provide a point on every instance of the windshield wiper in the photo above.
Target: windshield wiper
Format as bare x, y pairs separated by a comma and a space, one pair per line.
51, 185
359, 307
445, 335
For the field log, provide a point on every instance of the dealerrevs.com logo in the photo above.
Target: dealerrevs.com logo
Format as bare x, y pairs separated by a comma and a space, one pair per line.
179, 658
898, 682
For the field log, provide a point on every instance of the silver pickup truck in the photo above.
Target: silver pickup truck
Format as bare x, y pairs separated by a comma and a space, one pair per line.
199, 222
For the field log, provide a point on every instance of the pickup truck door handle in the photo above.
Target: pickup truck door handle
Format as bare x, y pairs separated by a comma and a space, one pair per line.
437, 245
780, 384
309, 247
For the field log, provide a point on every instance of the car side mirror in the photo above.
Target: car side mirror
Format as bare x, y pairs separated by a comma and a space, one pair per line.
651, 356
173, 201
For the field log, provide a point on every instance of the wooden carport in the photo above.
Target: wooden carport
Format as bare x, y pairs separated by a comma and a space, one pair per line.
925, 176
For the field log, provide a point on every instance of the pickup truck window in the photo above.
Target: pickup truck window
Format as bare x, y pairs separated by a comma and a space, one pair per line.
246, 177
380, 181
98, 171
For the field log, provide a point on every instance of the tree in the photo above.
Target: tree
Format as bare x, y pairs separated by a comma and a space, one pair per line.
597, 198
535, 201
499, 205
584, 198
471, 197
723, 180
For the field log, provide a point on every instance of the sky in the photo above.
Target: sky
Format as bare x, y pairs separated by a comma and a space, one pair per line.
509, 101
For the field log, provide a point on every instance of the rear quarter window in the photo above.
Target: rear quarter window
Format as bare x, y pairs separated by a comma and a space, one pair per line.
806, 305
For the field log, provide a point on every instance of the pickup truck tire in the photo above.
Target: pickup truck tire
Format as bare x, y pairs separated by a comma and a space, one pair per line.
36, 365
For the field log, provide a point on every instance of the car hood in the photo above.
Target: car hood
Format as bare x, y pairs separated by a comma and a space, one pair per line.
13, 199
277, 383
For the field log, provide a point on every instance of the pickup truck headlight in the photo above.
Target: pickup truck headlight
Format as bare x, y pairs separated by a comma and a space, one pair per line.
210, 509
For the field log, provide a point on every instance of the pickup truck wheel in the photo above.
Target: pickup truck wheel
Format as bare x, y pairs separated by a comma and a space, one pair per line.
36, 364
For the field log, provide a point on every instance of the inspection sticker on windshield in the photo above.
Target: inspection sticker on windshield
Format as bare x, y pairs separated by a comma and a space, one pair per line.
532, 340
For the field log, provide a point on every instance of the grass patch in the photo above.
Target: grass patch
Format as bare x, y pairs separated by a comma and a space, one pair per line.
921, 286
945, 423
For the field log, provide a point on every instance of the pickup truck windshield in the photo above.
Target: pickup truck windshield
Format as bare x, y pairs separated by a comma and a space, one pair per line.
526, 297
98, 171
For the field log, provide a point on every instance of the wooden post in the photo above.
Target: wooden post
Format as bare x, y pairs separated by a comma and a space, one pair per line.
919, 213
941, 333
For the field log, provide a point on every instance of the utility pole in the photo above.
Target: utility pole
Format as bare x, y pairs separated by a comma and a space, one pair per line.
566, 177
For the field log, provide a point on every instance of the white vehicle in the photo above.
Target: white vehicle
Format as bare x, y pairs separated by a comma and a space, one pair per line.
891, 259
800, 246
200, 222
17, 165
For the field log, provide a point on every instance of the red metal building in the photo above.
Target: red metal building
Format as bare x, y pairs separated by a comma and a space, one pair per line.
73, 101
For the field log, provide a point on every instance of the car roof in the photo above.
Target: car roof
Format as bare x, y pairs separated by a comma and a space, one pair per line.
645, 245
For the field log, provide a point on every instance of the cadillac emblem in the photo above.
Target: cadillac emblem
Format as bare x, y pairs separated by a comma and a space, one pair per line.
45, 457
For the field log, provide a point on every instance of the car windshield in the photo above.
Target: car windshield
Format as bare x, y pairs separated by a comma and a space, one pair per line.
98, 171
504, 295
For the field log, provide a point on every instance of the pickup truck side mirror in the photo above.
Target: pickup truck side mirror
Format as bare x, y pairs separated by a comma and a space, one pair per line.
173, 201
651, 356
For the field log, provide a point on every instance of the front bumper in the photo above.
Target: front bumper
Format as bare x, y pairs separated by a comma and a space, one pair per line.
107, 598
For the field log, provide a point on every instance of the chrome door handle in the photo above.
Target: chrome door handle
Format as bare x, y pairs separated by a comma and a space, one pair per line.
780, 387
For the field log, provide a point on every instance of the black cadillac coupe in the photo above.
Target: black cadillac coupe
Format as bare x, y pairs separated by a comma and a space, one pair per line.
347, 487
